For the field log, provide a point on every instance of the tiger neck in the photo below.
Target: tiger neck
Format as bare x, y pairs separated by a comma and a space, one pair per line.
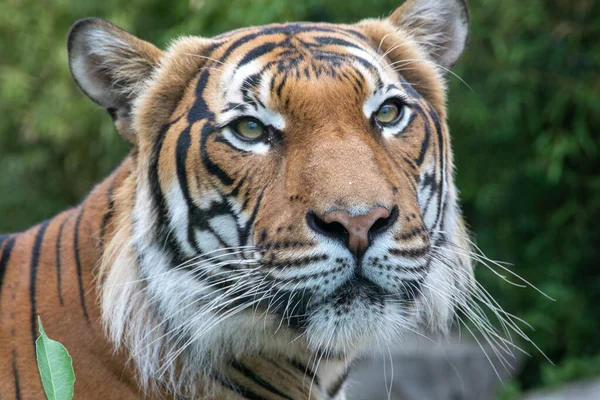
265, 375
103, 201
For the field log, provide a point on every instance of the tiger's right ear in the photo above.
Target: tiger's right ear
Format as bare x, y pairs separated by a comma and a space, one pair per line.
110, 66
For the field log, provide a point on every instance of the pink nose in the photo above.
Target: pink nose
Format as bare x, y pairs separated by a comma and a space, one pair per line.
357, 230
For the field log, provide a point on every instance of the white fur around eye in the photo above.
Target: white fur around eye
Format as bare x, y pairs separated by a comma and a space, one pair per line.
374, 103
398, 128
258, 147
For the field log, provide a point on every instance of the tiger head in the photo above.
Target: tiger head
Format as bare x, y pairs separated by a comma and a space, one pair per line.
291, 187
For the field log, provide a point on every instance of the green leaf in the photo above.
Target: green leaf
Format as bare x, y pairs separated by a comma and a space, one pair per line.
56, 367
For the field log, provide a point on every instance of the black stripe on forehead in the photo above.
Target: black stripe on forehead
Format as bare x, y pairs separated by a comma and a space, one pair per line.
250, 84
291, 53
288, 29
285, 63
292, 61
334, 41
296, 56
259, 52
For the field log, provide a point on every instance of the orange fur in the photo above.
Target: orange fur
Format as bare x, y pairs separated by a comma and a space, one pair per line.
328, 158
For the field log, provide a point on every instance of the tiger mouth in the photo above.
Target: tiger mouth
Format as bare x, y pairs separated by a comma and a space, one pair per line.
360, 288
294, 308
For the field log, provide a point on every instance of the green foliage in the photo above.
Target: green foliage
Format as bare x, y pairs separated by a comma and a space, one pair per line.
525, 138
56, 367
527, 155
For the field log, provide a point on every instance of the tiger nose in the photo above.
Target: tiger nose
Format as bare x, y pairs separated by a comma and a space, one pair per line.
356, 231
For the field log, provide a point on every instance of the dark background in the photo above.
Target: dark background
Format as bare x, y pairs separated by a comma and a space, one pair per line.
525, 138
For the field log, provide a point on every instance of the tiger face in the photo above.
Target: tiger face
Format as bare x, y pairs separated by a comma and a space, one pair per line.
291, 190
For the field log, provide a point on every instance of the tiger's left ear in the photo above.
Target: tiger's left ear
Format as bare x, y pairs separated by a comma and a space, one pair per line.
110, 66
441, 27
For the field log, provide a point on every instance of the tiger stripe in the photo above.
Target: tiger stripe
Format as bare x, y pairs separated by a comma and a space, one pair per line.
215, 263
35, 258
78, 263
15, 373
5, 250
257, 380
335, 389
59, 261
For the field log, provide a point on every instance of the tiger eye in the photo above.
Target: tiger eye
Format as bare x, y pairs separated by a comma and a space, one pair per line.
387, 113
249, 128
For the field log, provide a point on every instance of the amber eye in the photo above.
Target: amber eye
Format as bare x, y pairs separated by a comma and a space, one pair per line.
248, 128
388, 113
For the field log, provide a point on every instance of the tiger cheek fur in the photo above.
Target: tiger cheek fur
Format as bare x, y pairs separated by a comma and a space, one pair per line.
289, 200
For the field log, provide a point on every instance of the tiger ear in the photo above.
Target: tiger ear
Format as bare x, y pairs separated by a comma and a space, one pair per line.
110, 65
441, 27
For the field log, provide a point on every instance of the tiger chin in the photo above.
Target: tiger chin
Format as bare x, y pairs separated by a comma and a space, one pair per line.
287, 207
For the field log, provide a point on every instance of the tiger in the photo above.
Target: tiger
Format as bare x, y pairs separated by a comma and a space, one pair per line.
288, 207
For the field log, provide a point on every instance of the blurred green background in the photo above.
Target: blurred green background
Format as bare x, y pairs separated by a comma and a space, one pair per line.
525, 139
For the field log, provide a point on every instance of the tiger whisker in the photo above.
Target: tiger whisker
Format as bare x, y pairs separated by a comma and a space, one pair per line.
427, 61
482, 261
192, 271
397, 46
265, 292
204, 57
486, 334
228, 273
482, 295
499, 265
177, 328
507, 318
205, 329
224, 316
286, 308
